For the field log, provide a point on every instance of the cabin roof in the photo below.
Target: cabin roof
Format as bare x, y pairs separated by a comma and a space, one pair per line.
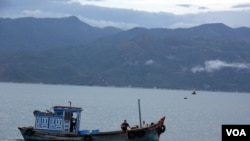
67, 108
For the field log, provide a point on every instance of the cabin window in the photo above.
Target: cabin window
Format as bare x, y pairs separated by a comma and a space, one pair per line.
68, 115
55, 123
59, 113
42, 122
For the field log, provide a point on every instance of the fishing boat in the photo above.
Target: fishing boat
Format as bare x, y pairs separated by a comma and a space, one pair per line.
63, 124
194, 91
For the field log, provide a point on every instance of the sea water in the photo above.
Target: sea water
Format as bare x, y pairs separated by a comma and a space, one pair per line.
197, 118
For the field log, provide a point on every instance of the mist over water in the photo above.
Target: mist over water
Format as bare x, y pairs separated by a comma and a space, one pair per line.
197, 118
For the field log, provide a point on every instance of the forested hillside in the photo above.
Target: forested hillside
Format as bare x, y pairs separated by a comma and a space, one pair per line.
68, 51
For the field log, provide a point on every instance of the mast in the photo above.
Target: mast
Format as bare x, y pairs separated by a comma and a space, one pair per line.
139, 107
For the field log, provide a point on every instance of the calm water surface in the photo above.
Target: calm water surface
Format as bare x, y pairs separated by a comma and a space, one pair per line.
198, 118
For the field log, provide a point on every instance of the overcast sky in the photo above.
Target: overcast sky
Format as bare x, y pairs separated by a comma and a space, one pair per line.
131, 13
172, 6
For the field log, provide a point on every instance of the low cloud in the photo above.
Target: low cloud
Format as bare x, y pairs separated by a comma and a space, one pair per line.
33, 12
42, 14
182, 25
106, 23
216, 65
149, 62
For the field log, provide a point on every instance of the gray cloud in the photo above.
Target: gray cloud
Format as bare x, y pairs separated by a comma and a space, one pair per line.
193, 6
216, 65
185, 5
246, 5
3, 3
203, 8
94, 0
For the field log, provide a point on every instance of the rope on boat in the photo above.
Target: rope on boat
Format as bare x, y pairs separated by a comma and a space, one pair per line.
161, 129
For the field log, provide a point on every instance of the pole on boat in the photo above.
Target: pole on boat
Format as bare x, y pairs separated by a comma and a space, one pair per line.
139, 107
69, 103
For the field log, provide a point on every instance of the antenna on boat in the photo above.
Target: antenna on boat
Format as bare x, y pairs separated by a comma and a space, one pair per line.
69, 103
139, 107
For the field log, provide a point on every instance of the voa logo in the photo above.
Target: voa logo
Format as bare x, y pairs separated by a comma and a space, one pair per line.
236, 132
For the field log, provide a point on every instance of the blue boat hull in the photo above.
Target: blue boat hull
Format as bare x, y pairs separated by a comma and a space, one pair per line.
151, 133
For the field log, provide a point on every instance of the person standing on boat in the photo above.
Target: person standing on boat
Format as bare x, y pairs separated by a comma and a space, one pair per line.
124, 126
72, 123
144, 124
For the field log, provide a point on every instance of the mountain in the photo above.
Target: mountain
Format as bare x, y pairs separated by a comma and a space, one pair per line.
207, 57
35, 33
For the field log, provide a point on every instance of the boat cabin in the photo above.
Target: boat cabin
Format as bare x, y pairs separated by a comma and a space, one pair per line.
64, 119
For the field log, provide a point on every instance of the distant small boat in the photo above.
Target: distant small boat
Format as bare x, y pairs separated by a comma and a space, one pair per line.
194, 91
185, 98
64, 122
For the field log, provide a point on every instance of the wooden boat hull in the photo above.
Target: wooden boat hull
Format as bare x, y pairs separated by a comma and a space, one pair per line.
151, 133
